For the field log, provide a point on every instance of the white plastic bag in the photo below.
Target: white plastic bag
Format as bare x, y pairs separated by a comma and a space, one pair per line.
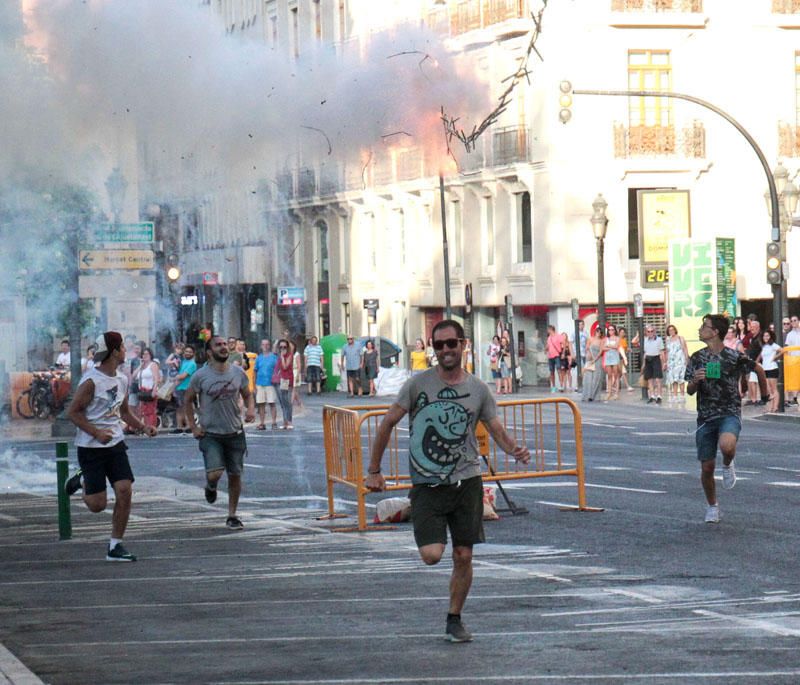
489, 513
393, 510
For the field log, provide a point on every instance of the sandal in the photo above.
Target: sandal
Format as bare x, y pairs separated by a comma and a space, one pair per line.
261, 427
274, 426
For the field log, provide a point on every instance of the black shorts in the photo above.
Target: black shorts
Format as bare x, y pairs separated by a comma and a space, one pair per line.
652, 367
99, 463
771, 373
458, 507
354, 374
313, 374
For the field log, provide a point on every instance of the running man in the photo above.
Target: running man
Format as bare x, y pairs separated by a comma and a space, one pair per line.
445, 404
713, 373
98, 410
219, 384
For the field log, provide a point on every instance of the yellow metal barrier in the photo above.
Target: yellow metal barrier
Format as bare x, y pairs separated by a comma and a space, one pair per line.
791, 370
556, 449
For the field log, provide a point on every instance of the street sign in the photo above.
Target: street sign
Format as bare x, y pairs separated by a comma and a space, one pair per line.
371, 303
290, 295
124, 233
210, 278
116, 259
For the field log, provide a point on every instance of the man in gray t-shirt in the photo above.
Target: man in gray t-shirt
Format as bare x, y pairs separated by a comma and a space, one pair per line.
219, 385
351, 361
444, 405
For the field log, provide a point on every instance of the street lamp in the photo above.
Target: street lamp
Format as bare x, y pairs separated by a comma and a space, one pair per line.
600, 226
787, 204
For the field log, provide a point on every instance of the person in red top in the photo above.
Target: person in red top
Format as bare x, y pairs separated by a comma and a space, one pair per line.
283, 379
553, 346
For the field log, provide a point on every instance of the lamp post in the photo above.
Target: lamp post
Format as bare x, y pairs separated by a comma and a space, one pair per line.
787, 204
599, 226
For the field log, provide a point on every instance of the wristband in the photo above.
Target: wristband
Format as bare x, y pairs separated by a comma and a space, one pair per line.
373, 473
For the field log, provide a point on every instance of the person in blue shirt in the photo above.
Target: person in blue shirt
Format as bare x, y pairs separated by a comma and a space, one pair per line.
188, 367
265, 390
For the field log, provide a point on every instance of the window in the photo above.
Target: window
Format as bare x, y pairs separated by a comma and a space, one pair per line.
649, 70
488, 229
344, 251
295, 19
368, 241
457, 233
322, 252
317, 21
397, 237
524, 228
633, 222
797, 87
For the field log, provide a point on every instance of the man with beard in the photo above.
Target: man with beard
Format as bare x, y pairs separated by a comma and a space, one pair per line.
219, 384
445, 404
98, 409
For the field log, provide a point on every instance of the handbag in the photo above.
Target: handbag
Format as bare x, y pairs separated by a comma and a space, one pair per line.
589, 366
145, 395
166, 389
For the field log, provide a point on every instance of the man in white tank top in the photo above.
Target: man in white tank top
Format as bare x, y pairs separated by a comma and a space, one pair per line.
98, 409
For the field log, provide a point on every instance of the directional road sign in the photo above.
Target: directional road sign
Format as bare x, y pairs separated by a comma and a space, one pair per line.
124, 233
116, 259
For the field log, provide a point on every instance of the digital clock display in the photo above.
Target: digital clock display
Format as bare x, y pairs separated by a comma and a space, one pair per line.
655, 276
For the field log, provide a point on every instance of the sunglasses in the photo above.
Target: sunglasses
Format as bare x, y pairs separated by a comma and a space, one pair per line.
451, 343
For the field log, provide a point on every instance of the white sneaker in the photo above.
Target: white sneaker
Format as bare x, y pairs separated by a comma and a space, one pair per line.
712, 513
728, 476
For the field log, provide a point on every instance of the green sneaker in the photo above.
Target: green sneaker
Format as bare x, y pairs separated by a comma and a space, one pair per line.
119, 553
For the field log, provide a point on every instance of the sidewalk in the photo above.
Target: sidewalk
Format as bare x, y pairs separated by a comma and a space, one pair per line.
35, 429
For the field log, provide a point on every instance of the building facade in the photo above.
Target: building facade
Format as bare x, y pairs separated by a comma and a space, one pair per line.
366, 224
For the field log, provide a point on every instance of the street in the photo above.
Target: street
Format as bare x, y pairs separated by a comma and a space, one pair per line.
642, 592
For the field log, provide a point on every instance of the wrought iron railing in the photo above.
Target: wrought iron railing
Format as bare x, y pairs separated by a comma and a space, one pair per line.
468, 15
510, 145
658, 5
660, 141
786, 6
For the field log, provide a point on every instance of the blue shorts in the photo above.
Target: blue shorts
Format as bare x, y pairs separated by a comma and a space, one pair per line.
707, 436
224, 452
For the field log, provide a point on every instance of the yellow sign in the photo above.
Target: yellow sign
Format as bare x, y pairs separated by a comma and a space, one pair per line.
663, 216
116, 259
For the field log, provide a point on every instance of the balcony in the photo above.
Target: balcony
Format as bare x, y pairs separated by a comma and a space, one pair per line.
510, 145
785, 6
659, 5
788, 140
306, 183
660, 141
285, 183
469, 15
409, 163
330, 181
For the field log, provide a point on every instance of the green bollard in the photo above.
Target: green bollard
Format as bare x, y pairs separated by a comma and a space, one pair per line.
62, 473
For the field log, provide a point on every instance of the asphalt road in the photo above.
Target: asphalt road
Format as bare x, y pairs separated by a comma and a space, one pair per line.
644, 592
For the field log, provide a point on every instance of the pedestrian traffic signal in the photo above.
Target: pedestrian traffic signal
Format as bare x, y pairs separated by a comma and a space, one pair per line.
565, 101
774, 271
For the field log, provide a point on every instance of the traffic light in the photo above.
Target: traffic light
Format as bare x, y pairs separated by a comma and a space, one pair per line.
173, 270
774, 271
565, 101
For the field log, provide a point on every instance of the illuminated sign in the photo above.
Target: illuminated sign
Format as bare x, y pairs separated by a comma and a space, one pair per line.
290, 295
663, 217
188, 300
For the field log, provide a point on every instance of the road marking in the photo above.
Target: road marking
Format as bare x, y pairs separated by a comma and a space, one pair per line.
668, 473
758, 623
617, 487
611, 468
785, 484
780, 468
14, 672
254, 466
654, 433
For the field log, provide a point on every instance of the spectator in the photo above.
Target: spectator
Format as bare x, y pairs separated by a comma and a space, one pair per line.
265, 390
184, 376
553, 348
63, 358
369, 364
677, 358
313, 359
419, 360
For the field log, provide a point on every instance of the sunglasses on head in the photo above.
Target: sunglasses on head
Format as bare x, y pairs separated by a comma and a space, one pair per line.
451, 343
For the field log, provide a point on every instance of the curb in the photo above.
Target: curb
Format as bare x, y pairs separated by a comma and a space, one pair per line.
14, 672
